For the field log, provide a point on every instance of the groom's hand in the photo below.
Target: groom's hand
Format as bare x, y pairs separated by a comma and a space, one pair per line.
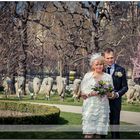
111, 95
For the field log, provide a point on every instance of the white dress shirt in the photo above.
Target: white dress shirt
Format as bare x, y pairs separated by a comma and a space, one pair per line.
112, 68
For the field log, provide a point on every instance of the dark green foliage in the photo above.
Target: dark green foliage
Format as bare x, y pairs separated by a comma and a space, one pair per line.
1, 88
40, 114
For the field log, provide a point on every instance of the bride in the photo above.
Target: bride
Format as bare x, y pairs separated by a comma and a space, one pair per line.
95, 111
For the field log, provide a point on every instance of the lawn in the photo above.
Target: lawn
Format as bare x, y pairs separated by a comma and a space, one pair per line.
135, 107
65, 119
55, 99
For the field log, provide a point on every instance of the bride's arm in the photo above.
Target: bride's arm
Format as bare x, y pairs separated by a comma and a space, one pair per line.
82, 87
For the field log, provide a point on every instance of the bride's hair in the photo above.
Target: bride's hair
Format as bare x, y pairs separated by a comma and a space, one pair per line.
96, 56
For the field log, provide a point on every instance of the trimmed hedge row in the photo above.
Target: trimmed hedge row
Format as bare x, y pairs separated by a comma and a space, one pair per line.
41, 114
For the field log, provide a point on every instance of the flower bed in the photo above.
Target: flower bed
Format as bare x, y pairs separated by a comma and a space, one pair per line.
32, 113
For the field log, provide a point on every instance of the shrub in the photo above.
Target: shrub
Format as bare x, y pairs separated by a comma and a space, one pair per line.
40, 114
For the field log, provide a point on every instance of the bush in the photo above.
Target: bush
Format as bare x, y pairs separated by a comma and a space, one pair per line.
1, 88
41, 114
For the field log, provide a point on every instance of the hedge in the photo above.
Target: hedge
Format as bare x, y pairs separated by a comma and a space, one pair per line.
41, 114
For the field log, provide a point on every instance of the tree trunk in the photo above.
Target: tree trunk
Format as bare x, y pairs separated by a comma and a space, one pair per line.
23, 55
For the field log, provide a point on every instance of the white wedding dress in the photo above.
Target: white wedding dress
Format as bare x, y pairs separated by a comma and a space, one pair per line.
95, 111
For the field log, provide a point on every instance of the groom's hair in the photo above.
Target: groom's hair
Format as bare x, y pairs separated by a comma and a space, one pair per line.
107, 50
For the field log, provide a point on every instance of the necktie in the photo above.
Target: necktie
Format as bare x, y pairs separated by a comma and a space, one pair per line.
108, 70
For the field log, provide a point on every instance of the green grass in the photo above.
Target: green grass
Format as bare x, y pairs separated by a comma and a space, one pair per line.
58, 135
55, 99
65, 119
135, 107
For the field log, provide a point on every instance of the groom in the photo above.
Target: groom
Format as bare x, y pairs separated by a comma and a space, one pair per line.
120, 87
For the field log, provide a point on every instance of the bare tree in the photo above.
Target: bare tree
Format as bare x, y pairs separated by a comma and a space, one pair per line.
136, 63
55, 37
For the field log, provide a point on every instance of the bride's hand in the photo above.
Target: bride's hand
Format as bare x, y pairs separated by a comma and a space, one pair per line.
92, 94
84, 96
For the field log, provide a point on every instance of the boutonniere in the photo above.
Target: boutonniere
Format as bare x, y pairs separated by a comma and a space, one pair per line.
119, 74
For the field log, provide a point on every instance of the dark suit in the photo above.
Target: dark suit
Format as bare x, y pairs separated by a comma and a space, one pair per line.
121, 87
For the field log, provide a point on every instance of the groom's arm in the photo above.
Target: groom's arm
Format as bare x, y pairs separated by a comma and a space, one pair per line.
124, 85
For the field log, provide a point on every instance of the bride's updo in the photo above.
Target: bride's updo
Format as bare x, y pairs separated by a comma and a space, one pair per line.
96, 56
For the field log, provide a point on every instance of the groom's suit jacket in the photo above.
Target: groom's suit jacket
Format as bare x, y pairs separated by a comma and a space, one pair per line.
120, 86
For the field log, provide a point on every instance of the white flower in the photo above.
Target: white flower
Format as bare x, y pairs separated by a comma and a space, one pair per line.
107, 82
119, 74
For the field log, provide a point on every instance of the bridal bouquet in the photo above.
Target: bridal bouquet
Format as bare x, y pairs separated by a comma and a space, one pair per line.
103, 88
